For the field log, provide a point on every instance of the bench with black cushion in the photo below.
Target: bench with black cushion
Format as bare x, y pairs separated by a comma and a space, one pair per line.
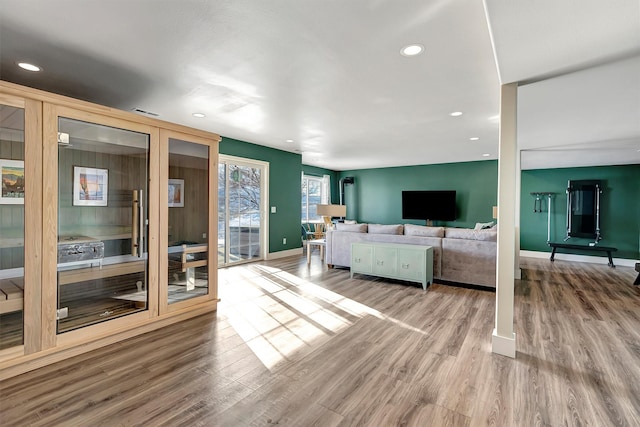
587, 248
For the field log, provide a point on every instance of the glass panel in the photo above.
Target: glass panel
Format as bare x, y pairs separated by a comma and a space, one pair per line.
222, 213
314, 196
102, 223
243, 213
11, 226
188, 220
305, 200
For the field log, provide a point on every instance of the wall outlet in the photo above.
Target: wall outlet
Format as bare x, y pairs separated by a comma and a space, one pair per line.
284, 240
204, 235
273, 209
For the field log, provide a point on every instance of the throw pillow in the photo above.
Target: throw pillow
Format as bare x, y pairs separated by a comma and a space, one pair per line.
423, 231
354, 228
483, 225
386, 229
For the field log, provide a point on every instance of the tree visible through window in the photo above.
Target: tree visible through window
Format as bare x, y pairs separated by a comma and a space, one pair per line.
312, 190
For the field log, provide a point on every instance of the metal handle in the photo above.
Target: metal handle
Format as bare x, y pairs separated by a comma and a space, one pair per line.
598, 192
549, 219
134, 224
568, 212
141, 225
137, 224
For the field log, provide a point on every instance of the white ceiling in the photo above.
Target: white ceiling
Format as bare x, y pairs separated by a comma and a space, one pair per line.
330, 77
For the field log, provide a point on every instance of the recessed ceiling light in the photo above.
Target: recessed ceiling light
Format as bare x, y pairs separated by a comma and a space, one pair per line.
199, 115
289, 140
412, 50
486, 155
456, 114
29, 67
474, 138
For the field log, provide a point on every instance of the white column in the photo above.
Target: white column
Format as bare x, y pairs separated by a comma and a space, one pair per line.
504, 339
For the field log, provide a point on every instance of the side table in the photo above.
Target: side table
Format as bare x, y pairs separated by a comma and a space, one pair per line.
310, 244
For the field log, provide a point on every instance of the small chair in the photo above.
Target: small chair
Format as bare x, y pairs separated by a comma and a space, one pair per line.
318, 231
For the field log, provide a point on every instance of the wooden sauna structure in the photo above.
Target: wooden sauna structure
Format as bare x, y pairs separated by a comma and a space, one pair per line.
105, 222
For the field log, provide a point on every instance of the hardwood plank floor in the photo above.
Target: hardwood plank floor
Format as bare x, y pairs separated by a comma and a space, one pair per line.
298, 345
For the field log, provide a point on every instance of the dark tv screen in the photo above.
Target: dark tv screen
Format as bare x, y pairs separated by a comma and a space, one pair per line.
429, 205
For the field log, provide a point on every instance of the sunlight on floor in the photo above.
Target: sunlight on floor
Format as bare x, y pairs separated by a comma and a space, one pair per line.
277, 313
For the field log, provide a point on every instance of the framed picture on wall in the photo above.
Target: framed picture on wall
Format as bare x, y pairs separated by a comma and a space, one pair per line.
12, 173
90, 186
176, 193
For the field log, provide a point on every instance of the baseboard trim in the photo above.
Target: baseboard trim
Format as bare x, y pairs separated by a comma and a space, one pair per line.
504, 346
580, 258
284, 254
465, 285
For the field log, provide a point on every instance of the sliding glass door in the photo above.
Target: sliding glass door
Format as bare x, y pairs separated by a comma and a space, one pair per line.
241, 207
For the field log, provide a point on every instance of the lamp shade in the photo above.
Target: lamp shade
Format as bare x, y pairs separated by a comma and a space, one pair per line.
332, 210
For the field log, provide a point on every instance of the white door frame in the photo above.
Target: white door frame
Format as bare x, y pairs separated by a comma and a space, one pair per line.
264, 196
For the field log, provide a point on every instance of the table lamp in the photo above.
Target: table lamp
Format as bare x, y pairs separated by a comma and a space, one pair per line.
329, 211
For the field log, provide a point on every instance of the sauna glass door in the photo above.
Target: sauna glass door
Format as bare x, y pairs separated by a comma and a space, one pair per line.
188, 231
103, 175
12, 229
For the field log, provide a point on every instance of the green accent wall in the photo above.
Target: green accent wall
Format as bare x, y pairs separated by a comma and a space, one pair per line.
335, 176
376, 195
620, 207
284, 189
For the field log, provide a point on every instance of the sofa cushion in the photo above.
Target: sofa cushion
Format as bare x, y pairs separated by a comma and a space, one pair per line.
354, 228
422, 230
469, 234
386, 229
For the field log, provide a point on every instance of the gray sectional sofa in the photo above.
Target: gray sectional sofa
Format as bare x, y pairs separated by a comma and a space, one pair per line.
460, 255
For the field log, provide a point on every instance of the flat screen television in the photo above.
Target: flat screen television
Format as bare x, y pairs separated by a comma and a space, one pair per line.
429, 205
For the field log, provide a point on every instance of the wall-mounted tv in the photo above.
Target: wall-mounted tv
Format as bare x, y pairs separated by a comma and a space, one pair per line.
429, 205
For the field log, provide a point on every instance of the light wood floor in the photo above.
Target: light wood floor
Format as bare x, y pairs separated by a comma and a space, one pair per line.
293, 345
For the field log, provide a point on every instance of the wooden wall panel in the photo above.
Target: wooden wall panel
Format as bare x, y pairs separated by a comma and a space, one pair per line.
33, 228
153, 242
213, 224
49, 224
